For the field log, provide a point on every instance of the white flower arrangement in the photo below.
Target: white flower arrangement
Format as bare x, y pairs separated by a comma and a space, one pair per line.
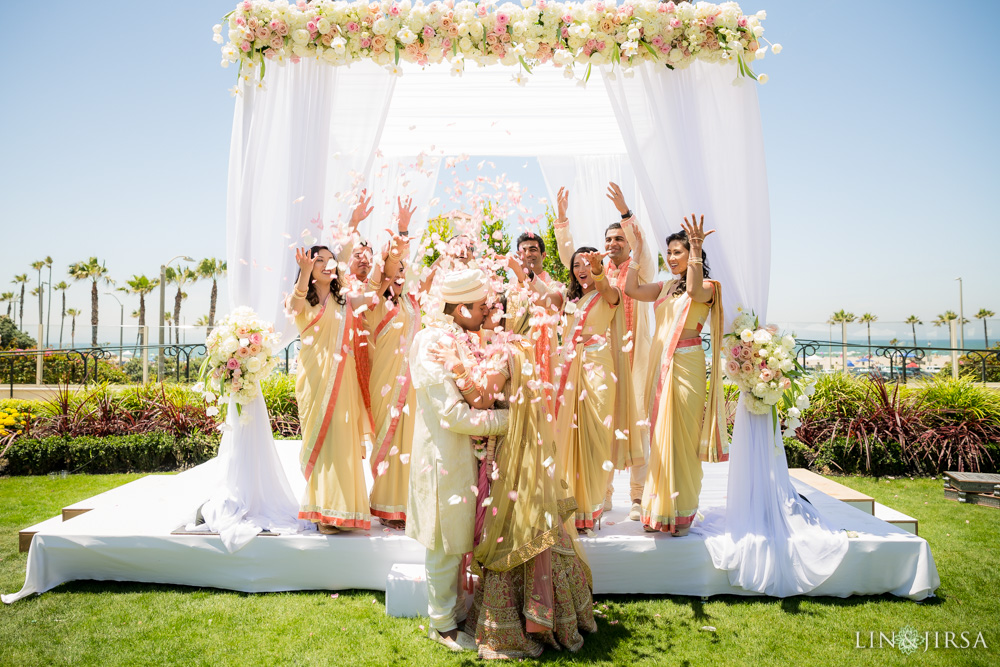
589, 33
241, 351
761, 361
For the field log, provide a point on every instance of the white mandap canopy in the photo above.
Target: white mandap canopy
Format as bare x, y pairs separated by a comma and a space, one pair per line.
679, 142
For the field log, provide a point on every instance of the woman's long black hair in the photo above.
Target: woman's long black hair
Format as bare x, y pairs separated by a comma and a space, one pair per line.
575, 290
682, 237
311, 297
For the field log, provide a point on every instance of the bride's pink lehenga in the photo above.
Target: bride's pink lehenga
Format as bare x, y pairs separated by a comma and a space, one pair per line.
534, 582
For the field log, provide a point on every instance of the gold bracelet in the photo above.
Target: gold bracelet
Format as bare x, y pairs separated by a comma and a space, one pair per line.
300, 293
463, 376
695, 261
598, 277
633, 265
468, 390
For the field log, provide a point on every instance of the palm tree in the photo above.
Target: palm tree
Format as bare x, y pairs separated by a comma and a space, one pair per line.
22, 280
203, 321
142, 286
843, 317
48, 316
72, 312
894, 342
167, 319
867, 320
61, 286
38, 266
984, 315
913, 321
179, 277
10, 298
212, 269
95, 272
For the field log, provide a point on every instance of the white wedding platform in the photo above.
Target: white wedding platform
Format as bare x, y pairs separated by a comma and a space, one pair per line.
130, 534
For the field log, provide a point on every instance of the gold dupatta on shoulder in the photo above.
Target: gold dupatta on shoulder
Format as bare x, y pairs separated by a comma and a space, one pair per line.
714, 446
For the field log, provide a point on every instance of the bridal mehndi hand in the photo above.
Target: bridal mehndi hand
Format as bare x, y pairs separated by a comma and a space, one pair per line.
695, 230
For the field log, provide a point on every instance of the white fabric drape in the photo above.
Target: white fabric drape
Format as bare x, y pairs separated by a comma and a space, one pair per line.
302, 147
252, 493
696, 145
392, 177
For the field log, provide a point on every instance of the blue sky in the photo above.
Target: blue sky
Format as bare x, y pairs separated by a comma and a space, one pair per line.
878, 124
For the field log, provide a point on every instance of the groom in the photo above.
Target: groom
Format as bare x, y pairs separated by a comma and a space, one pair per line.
441, 508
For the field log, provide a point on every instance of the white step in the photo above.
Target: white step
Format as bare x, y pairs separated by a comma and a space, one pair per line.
25, 536
406, 591
896, 518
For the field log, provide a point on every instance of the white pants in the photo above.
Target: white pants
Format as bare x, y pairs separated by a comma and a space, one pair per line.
445, 594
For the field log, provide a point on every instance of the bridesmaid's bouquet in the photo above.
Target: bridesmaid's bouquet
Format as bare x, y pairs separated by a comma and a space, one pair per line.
761, 361
241, 351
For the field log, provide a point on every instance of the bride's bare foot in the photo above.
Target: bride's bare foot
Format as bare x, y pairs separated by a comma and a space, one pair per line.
395, 524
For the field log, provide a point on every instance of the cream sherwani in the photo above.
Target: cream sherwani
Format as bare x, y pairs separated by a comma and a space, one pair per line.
441, 507
638, 324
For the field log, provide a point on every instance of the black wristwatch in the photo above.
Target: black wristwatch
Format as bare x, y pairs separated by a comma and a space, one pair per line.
627, 214
404, 233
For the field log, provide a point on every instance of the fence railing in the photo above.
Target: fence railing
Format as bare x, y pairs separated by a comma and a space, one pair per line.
82, 365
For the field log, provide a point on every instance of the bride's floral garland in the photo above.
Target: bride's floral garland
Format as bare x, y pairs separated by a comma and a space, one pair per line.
563, 33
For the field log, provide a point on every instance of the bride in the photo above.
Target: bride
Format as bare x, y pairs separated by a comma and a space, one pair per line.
535, 585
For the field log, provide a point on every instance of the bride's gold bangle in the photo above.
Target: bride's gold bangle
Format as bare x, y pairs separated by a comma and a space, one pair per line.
598, 277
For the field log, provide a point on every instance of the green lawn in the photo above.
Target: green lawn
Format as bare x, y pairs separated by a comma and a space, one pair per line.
110, 624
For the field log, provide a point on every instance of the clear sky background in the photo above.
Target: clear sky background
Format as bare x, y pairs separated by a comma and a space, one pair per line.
879, 126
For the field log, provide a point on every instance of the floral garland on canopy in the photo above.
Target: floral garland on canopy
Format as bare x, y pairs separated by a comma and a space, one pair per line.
563, 33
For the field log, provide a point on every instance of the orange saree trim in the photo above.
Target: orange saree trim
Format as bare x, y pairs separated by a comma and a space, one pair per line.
383, 441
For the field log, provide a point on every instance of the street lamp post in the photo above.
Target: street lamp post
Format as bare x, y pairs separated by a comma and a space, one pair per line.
163, 306
961, 316
121, 329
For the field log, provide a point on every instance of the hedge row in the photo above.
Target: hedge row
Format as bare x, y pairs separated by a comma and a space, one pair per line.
146, 452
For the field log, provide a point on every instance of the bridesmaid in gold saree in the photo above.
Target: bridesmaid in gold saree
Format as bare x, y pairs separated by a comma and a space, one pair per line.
392, 320
331, 410
595, 407
535, 585
686, 427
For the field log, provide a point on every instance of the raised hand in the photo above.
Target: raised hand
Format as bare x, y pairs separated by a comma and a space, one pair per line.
362, 210
562, 203
629, 225
596, 260
304, 260
405, 213
617, 198
696, 233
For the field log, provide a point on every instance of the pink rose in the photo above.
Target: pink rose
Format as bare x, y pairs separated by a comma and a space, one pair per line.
745, 353
481, 11
394, 10
232, 364
237, 373
365, 43
736, 351
245, 46
675, 23
247, 5
277, 42
502, 18
661, 8
243, 352
766, 375
236, 386
568, 18
786, 383
742, 22
670, 7
243, 332
732, 369
656, 41
542, 4
565, 33
747, 367
256, 338
352, 27
254, 349
772, 329
428, 32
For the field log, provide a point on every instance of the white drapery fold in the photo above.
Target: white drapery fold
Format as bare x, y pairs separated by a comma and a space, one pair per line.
302, 148
392, 177
696, 145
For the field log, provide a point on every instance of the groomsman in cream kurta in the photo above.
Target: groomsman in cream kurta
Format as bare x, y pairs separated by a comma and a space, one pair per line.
618, 240
441, 508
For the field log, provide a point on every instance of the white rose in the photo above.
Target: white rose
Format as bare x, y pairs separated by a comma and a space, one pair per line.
254, 364
380, 27
786, 365
465, 44
406, 36
476, 30
761, 337
746, 335
760, 390
633, 33
300, 36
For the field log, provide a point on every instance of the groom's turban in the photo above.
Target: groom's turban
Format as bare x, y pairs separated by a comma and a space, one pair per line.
465, 286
